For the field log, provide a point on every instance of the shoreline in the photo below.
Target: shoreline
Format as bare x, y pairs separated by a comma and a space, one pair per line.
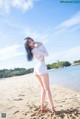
31, 74
20, 99
74, 89
62, 67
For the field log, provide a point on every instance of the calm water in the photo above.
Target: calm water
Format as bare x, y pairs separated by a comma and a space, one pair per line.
68, 76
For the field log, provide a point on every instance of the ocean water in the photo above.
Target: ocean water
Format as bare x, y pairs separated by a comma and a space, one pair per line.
68, 76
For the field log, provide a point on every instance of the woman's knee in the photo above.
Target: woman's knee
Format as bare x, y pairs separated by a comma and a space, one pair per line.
47, 90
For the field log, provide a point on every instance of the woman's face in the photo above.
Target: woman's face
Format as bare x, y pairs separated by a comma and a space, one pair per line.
31, 43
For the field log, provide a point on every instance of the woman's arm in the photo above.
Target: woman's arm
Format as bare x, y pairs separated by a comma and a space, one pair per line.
40, 51
38, 43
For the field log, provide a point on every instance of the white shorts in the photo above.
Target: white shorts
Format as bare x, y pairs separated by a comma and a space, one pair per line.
40, 68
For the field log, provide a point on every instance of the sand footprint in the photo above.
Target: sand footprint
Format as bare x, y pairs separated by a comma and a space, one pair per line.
62, 116
37, 108
30, 107
21, 95
25, 113
11, 107
19, 99
16, 112
34, 114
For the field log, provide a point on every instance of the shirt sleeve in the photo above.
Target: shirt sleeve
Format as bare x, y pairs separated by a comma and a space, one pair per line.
40, 51
43, 49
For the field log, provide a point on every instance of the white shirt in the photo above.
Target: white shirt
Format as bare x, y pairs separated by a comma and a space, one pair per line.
40, 52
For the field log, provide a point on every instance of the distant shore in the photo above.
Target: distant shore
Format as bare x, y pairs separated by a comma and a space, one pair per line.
20, 99
75, 64
4, 73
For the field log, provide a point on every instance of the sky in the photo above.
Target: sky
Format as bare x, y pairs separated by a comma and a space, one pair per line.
55, 24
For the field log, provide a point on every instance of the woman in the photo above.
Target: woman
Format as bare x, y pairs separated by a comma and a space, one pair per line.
40, 70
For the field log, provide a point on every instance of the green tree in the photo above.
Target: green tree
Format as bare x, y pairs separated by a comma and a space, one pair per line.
76, 61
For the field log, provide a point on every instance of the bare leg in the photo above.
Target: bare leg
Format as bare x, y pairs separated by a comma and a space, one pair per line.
45, 79
43, 92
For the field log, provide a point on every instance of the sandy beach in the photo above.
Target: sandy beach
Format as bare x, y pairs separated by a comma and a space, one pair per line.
20, 99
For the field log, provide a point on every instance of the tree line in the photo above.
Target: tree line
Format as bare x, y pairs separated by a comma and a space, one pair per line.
4, 73
58, 64
77, 62
14, 72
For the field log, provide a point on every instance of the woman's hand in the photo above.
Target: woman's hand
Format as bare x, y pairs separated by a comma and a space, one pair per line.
38, 43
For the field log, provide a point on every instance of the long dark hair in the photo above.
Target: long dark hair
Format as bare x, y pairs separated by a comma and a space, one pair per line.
28, 49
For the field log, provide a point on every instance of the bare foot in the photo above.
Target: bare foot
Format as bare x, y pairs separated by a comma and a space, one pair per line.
43, 109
